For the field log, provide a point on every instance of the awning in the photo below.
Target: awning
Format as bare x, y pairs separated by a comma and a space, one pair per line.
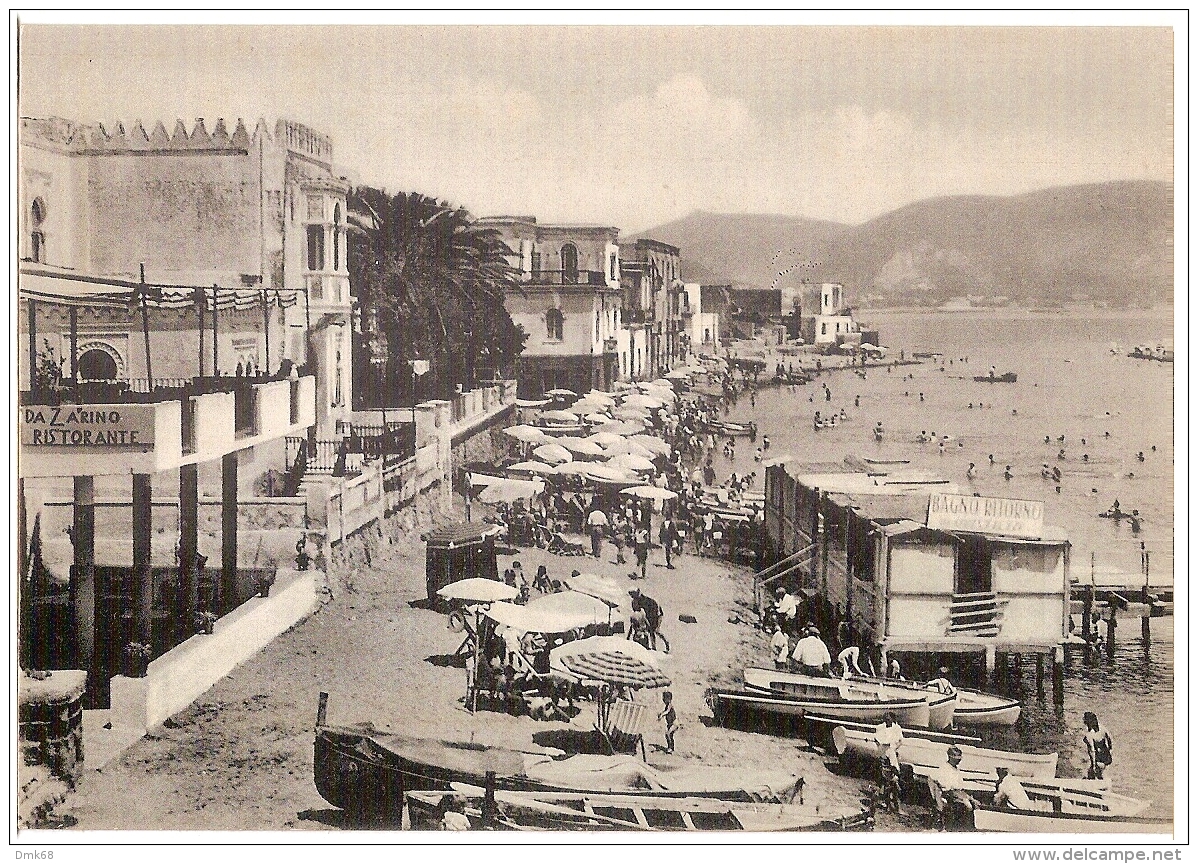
70, 288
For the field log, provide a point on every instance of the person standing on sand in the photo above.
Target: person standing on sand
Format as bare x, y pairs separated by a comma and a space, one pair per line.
596, 522
780, 648
642, 549
670, 717
668, 536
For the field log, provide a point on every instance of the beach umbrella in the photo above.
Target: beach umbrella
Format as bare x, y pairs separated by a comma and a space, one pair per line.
614, 448
611, 659
608, 472
508, 491
532, 468
622, 427
580, 446
579, 468
605, 439
639, 400
601, 396
630, 413
678, 374
560, 392
597, 419
554, 454
576, 604
559, 416
652, 443
663, 383
635, 448
525, 433
650, 493
478, 590
632, 463
602, 588
532, 403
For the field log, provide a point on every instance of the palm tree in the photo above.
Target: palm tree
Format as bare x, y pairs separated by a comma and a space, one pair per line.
431, 283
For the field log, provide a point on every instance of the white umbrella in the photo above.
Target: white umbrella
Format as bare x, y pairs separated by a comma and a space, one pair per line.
632, 463
613, 448
608, 590
477, 590
525, 433
630, 413
605, 439
554, 454
663, 382
510, 490
608, 472
560, 391
678, 374
651, 493
560, 416
635, 448
532, 468
639, 400
622, 427
597, 419
652, 443
580, 446
601, 396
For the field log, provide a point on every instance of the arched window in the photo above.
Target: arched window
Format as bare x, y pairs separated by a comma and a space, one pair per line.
569, 263
37, 237
553, 323
337, 236
97, 365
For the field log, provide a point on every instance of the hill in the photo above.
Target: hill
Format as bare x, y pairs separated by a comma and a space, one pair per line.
1108, 242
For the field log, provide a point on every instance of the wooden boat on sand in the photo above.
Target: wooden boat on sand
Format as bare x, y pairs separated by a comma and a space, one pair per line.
571, 811
940, 705
920, 752
368, 771
1100, 813
972, 708
726, 704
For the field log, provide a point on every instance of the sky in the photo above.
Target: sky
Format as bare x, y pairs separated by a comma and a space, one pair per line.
634, 126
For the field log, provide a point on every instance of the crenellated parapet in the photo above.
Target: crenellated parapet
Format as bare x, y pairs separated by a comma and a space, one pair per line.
113, 137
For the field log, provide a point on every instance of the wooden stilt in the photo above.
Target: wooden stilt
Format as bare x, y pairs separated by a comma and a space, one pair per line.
143, 575
1146, 599
1111, 625
1058, 675
991, 665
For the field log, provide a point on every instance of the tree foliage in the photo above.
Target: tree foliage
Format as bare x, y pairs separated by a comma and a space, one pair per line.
431, 283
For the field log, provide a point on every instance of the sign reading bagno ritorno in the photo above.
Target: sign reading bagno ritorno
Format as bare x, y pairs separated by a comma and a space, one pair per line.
1009, 517
87, 426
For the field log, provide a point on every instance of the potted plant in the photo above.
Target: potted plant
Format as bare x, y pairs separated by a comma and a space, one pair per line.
137, 659
205, 622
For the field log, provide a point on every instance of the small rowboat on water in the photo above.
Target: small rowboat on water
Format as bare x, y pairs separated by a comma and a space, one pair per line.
531, 811
735, 703
940, 705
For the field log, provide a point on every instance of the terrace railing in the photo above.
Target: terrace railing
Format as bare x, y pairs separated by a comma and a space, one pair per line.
569, 277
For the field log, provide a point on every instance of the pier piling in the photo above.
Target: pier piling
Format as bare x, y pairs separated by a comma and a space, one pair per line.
1111, 624
1146, 599
1058, 676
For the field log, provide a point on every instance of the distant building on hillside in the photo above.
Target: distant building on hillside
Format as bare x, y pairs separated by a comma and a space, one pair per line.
569, 303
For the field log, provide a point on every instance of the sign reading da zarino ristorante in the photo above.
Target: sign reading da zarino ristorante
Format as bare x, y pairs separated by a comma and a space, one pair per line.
1010, 517
87, 426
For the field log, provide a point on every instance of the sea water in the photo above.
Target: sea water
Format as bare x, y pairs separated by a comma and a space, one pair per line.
1074, 379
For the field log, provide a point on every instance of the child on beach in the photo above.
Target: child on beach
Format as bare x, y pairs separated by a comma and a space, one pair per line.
670, 716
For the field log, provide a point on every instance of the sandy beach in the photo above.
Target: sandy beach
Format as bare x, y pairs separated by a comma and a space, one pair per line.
242, 754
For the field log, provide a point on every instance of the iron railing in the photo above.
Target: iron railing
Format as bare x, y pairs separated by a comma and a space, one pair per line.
569, 277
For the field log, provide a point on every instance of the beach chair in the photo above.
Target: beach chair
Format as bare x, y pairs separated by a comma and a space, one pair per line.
625, 726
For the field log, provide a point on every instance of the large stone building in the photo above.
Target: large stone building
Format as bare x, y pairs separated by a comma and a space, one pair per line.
255, 220
568, 302
654, 300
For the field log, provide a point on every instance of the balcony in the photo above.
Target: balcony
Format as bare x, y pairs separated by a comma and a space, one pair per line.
569, 277
139, 426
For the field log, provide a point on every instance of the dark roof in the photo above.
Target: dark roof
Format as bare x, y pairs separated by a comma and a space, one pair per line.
460, 534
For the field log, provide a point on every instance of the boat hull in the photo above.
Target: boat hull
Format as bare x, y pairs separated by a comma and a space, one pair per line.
1035, 822
919, 752
975, 708
940, 707
909, 712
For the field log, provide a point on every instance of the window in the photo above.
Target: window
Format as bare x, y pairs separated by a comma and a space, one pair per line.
612, 266
823, 329
315, 248
598, 320
553, 323
569, 263
37, 237
337, 237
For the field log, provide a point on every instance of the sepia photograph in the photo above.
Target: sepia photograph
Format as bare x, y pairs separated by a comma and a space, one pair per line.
605, 425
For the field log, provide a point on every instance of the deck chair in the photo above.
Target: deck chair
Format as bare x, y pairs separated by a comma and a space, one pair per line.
625, 728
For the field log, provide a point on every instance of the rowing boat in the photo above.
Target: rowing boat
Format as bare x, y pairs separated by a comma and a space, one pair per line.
933, 754
1102, 813
972, 708
723, 703
940, 706
531, 811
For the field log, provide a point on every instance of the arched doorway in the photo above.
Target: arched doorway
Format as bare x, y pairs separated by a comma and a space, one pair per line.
569, 263
97, 365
